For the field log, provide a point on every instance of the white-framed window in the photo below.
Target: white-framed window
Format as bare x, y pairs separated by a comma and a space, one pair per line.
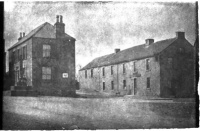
46, 73
46, 50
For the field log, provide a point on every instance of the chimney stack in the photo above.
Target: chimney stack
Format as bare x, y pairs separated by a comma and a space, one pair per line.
61, 19
57, 18
20, 37
59, 27
149, 41
117, 50
180, 35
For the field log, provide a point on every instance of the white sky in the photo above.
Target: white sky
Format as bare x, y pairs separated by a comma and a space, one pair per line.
100, 28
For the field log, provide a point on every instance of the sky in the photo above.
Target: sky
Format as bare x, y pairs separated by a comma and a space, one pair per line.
100, 27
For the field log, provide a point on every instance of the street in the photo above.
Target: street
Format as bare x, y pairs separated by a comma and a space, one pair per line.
77, 113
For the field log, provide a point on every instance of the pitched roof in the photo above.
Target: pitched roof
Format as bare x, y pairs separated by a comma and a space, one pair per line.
32, 33
130, 54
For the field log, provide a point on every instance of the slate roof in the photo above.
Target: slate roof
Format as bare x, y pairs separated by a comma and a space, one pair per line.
32, 33
130, 54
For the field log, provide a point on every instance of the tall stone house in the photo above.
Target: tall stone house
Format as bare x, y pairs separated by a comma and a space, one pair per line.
45, 58
154, 69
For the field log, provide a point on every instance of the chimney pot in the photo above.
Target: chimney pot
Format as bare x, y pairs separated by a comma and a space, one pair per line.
23, 34
149, 41
180, 34
57, 18
117, 50
61, 19
20, 37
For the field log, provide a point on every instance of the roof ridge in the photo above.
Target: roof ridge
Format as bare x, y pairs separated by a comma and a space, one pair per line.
29, 35
152, 51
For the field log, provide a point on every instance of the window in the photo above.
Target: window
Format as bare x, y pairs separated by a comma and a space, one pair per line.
85, 73
104, 86
169, 84
20, 54
134, 68
135, 85
147, 64
124, 69
124, 84
103, 71
46, 50
170, 62
91, 72
17, 54
111, 70
148, 82
46, 73
24, 51
112, 85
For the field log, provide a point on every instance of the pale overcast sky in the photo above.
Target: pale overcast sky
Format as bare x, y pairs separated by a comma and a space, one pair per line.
99, 28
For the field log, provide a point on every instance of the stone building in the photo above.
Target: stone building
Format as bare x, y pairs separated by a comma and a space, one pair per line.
155, 69
45, 58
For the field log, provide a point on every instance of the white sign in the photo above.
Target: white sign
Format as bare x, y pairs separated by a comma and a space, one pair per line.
65, 75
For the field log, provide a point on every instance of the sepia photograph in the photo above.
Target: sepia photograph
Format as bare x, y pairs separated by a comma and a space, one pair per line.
93, 65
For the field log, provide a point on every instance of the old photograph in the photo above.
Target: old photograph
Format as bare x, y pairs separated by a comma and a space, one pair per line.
100, 65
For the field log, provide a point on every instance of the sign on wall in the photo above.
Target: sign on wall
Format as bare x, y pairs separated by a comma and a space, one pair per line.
65, 75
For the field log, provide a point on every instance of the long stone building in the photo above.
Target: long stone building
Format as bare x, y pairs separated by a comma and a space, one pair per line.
158, 69
45, 58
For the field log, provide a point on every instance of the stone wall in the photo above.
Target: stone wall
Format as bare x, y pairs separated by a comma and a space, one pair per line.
28, 62
96, 82
61, 60
177, 80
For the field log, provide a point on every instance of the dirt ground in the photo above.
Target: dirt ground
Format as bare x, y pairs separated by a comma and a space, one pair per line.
52, 113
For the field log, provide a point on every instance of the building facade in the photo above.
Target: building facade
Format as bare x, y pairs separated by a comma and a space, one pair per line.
45, 58
155, 69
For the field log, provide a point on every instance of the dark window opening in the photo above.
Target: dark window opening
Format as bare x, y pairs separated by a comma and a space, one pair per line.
85, 73
18, 55
170, 62
111, 70
112, 85
124, 84
124, 69
103, 71
147, 64
104, 86
148, 82
134, 68
24, 53
91, 72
